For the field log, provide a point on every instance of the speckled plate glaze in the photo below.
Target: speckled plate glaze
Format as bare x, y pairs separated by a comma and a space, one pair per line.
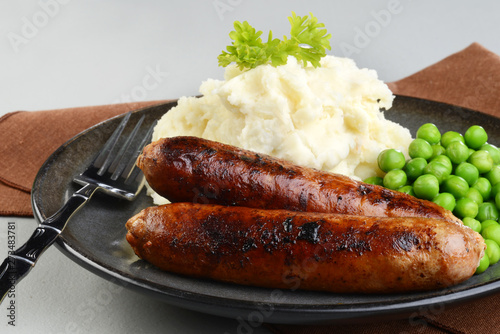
95, 239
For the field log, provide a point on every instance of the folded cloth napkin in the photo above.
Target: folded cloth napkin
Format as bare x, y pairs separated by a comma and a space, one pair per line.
27, 139
469, 78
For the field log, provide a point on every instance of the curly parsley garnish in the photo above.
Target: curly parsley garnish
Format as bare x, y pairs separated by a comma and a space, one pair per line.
308, 42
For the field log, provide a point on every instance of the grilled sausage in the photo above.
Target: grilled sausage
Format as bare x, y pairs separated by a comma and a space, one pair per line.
191, 169
298, 250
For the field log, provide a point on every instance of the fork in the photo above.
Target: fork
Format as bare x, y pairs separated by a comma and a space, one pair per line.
112, 171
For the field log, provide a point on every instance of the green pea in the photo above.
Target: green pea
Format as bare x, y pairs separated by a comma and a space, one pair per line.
492, 232
468, 172
475, 137
466, 207
407, 190
487, 211
474, 224
487, 223
445, 200
376, 180
457, 151
437, 149
390, 159
444, 160
395, 179
492, 250
494, 175
494, 152
456, 186
430, 133
484, 186
451, 136
484, 263
414, 168
482, 160
426, 187
439, 170
495, 190
474, 195
497, 200
420, 148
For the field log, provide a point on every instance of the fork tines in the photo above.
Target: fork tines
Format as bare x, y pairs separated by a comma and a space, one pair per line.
119, 159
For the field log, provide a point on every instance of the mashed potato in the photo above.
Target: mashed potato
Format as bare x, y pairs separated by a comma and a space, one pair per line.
327, 117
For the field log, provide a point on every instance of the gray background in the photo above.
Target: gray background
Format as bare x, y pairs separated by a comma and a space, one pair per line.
57, 54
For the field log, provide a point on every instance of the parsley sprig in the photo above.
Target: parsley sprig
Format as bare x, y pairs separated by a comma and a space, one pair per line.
307, 43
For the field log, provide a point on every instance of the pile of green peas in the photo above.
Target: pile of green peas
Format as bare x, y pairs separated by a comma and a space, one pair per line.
459, 172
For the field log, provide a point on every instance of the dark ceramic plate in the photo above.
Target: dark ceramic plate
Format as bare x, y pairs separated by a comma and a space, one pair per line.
95, 239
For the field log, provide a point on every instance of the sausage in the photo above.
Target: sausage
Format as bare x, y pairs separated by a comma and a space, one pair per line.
191, 169
303, 250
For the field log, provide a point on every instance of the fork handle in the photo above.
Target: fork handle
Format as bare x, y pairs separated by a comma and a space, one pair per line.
20, 261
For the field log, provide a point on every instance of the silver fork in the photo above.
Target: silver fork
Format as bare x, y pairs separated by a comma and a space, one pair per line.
113, 171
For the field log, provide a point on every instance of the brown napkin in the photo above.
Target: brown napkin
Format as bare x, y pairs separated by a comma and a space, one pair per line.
469, 78
28, 138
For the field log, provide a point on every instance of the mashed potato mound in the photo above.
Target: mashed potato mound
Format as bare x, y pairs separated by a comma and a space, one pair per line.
327, 117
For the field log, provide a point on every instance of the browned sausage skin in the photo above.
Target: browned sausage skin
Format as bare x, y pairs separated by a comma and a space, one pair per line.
313, 251
191, 169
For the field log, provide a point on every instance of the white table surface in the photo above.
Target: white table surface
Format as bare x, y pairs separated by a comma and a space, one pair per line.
61, 53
